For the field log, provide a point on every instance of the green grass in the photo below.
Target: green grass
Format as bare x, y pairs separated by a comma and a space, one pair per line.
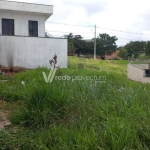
78, 114
143, 56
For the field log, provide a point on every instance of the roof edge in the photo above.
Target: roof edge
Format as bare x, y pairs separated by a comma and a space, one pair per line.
27, 3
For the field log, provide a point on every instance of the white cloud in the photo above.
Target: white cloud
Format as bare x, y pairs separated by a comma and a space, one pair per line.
124, 15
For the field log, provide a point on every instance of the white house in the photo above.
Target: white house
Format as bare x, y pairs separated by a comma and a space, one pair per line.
22, 36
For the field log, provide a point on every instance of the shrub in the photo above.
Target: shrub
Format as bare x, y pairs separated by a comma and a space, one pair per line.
43, 103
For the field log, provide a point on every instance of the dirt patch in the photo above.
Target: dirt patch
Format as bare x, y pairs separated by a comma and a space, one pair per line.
11, 71
4, 119
4, 114
6, 108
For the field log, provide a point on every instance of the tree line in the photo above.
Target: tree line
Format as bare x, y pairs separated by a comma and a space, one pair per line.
106, 45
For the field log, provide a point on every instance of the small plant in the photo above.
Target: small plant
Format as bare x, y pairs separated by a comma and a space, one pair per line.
53, 62
80, 66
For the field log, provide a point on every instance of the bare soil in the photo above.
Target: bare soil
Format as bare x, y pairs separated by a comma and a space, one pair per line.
11, 71
4, 114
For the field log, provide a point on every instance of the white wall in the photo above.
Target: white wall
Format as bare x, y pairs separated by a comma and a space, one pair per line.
46, 10
136, 73
21, 22
32, 52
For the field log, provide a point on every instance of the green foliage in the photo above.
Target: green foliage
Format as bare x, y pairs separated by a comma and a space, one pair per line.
78, 46
106, 44
17, 138
123, 53
79, 114
71, 48
44, 104
129, 51
144, 56
135, 48
148, 48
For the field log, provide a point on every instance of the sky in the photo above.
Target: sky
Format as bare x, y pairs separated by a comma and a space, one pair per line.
114, 17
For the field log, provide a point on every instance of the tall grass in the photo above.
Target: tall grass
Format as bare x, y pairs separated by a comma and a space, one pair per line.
43, 104
80, 114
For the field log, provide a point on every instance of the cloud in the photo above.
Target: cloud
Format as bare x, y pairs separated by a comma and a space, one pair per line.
94, 8
124, 15
90, 7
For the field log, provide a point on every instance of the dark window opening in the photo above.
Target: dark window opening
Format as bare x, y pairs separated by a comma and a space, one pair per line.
7, 26
147, 73
33, 28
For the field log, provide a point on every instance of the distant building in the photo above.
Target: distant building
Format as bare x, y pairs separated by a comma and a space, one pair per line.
23, 41
112, 56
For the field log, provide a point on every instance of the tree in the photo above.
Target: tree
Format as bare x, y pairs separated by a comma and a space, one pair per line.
106, 44
129, 51
147, 48
77, 45
71, 48
69, 36
136, 48
89, 47
78, 37
123, 53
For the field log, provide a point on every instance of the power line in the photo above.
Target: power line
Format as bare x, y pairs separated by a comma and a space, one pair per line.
90, 33
71, 32
63, 35
70, 24
122, 31
126, 38
128, 32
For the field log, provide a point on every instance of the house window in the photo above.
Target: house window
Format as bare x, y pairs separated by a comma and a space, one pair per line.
7, 26
33, 28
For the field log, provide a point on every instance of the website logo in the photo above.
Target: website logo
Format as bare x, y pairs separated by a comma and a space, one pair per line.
50, 77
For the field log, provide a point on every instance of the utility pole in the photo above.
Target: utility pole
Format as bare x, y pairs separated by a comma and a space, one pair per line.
95, 44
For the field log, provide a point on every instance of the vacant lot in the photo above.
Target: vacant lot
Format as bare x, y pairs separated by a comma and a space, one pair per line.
80, 114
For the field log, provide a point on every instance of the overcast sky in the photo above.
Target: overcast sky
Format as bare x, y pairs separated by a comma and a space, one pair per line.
122, 15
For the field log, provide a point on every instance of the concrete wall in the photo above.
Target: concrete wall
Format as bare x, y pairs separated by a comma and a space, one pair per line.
11, 6
21, 22
32, 52
137, 73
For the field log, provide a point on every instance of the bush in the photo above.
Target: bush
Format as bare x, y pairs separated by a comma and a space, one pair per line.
123, 53
43, 103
